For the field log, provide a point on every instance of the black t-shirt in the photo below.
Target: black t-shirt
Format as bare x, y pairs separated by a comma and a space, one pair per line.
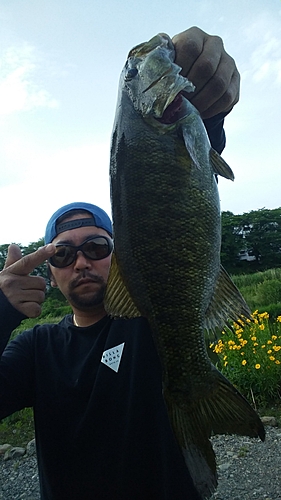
102, 429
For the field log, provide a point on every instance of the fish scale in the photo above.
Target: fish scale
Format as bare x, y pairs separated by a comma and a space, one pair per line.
166, 262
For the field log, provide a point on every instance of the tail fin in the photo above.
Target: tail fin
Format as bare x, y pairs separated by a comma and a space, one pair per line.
223, 411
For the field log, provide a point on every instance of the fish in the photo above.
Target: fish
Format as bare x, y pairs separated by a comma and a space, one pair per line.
166, 262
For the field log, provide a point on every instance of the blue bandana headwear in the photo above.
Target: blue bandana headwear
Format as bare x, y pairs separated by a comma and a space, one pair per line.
100, 219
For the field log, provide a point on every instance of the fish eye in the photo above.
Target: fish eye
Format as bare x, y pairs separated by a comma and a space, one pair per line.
130, 74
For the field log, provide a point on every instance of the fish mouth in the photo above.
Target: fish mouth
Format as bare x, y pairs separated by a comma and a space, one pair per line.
175, 111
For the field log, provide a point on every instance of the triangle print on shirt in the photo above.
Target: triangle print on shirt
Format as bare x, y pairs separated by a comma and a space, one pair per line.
112, 357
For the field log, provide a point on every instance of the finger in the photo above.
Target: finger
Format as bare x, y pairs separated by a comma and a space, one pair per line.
36, 295
222, 101
13, 255
23, 291
207, 63
27, 264
188, 46
30, 309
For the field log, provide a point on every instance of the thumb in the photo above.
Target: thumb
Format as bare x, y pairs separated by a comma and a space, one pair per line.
14, 254
25, 265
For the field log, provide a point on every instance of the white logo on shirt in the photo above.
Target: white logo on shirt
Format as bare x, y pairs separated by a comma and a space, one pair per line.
112, 357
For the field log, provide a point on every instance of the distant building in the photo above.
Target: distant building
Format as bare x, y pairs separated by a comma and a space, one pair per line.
246, 255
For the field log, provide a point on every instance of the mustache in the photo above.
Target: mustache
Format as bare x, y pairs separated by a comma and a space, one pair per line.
95, 278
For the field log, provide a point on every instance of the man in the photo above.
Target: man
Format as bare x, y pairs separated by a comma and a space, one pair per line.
102, 430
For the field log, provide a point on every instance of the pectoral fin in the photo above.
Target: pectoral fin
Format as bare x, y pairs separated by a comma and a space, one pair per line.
118, 302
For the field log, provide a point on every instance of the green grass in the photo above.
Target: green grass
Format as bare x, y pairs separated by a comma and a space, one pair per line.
250, 357
262, 291
17, 429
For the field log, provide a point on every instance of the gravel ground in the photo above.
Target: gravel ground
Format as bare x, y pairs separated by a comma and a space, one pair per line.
248, 470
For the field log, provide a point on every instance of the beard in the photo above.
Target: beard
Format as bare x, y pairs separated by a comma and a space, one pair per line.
88, 299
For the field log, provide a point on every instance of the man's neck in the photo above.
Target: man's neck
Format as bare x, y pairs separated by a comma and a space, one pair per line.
87, 318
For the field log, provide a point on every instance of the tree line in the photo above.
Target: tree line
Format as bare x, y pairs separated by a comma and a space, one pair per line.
250, 242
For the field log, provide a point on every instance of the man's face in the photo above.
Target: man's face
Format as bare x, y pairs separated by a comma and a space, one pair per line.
83, 283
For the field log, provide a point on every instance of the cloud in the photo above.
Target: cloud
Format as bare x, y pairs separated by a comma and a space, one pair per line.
53, 179
19, 90
263, 35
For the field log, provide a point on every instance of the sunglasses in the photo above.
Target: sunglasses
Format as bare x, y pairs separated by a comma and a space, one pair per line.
94, 248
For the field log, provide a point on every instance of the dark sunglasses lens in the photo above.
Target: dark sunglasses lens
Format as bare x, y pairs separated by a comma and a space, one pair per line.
63, 257
97, 248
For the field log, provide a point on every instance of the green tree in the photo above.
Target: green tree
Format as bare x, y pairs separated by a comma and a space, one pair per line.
263, 236
231, 241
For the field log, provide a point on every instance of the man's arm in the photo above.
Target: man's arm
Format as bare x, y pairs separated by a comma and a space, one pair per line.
21, 296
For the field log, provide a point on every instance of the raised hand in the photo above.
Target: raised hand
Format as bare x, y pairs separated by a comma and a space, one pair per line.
26, 293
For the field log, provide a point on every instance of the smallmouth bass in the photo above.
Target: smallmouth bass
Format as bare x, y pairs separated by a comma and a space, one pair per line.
166, 264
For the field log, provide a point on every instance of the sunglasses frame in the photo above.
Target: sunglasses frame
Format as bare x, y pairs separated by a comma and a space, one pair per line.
80, 248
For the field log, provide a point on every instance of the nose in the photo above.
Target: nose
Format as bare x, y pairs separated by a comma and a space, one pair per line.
81, 261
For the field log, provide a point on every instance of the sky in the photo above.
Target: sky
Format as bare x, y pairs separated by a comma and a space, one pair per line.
60, 62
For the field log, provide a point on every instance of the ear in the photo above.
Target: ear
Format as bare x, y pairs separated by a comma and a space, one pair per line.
51, 277
53, 282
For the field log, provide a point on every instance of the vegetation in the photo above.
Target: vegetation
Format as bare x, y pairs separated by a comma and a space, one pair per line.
261, 290
251, 357
258, 233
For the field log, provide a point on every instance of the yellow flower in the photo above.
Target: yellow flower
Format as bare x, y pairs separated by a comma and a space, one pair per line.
278, 319
253, 338
218, 349
276, 348
261, 326
225, 363
269, 341
224, 358
257, 367
269, 351
272, 358
264, 315
256, 343
244, 362
277, 362
231, 342
273, 337
263, 346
